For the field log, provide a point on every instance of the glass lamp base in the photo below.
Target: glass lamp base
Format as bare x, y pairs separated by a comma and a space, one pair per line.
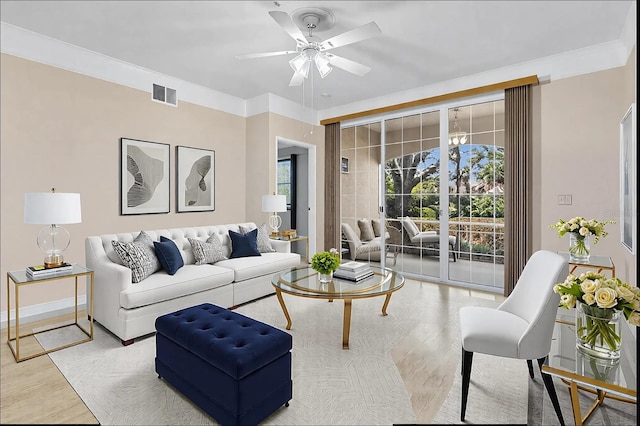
53, 261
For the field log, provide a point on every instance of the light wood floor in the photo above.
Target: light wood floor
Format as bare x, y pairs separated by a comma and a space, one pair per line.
34, 391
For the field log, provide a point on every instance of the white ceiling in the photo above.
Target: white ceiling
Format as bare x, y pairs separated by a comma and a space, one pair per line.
422, 42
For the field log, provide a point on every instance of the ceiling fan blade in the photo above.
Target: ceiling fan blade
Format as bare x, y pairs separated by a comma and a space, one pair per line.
348, 65
296, 80
284, 20
263, 55
358, 34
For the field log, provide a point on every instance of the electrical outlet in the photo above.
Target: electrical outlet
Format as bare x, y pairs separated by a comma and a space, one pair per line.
564, 200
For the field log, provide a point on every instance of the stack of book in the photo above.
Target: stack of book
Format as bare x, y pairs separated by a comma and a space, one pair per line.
39, 271
354, 271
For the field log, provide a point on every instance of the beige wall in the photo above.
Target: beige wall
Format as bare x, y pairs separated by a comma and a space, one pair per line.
262, 148
62, 129
579, 143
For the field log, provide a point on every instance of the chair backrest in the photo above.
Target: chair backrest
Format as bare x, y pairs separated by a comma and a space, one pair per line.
351, 237
410, 226
534, 301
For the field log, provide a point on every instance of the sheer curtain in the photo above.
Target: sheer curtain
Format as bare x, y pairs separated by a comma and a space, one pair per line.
332, 186
518, 185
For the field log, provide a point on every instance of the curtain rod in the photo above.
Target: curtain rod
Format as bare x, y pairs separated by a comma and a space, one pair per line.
532, 79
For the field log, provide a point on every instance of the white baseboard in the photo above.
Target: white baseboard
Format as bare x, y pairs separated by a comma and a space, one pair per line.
42, 311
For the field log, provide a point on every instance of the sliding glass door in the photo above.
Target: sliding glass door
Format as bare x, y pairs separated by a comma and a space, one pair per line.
440, 189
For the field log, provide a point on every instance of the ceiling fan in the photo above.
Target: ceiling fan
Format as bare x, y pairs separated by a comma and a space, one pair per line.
312, 49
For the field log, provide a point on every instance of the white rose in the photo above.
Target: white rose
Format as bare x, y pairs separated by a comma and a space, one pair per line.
589, 298
573, 227
635, 305
625, 293
590, 286
634, 319
584, 231
606, 297
568, 300
583, 223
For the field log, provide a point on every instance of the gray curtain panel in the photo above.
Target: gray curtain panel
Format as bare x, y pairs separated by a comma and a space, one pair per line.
518, 185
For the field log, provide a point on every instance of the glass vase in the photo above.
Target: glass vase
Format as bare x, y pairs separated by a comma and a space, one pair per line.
598, 331
579, 248
325, 278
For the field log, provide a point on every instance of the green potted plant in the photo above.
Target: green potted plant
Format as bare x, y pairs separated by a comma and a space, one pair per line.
325, 263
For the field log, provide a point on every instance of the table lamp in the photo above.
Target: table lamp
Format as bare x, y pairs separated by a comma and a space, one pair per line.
52, 209
274, 203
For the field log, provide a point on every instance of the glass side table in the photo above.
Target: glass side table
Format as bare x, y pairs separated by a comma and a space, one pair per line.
21, 279
605, 378
599, 263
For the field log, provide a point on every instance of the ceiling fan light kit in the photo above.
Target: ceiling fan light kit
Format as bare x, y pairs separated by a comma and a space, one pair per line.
312, 49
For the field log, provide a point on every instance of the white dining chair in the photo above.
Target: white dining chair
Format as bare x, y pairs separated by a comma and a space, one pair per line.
521, 327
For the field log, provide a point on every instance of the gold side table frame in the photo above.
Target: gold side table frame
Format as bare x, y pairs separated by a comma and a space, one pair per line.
599, 263
20, 279
306, 240
576, 381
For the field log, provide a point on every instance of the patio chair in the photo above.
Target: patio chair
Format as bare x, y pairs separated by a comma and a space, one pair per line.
423, 238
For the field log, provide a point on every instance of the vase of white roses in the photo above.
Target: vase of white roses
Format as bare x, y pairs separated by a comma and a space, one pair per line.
600, 303
325, 263
580, 232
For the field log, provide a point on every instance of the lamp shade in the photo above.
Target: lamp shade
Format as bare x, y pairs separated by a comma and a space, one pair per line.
46, 208
274, 203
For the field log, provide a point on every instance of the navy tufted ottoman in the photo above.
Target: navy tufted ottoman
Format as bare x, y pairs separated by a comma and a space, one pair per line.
235, 368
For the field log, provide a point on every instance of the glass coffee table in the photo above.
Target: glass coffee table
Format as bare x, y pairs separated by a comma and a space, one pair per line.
304, 282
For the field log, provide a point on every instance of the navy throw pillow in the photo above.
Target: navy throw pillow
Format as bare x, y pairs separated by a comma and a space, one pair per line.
244, 245
169, 255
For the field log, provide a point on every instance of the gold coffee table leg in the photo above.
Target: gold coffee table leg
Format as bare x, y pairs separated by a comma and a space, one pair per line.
284, 308
346, 324
386, 303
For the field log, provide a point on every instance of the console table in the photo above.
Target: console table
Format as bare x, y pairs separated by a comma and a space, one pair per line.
21, 279
599, 263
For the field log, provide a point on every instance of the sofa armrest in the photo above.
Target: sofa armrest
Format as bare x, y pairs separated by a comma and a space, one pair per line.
281, 246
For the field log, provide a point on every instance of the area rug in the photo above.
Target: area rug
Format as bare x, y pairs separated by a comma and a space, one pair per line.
330, 385
497, 393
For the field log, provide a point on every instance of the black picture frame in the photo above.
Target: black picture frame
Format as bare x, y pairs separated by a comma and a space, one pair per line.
344, 165
195, 179
144, 177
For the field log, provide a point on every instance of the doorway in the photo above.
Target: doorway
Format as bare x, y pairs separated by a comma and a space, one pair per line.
296, 178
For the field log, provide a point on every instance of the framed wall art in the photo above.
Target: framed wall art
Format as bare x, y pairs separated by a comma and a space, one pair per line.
195, 179
144, 177
628, 200
344, 165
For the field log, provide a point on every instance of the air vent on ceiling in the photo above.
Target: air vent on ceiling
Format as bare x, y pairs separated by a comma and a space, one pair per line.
165, 95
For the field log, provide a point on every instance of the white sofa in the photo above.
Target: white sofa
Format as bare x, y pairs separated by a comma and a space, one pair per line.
129, 310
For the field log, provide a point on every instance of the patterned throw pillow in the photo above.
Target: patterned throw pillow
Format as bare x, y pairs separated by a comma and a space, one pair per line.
210, 251
263, 240
139, 256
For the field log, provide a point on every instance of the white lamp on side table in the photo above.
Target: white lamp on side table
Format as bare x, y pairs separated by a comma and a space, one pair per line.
53, 209
274, 203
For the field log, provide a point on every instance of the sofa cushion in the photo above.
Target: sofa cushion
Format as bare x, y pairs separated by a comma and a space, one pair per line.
169, 255
263, 240
139, 256
244, 245
376, 224
350, 235
209, 251
187, 280
255, 266
366, 230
